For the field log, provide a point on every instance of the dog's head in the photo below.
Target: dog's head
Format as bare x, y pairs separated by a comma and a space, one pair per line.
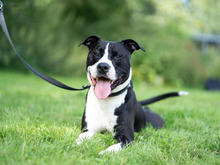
108, 64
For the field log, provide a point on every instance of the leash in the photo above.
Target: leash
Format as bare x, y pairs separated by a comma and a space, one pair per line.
39, 74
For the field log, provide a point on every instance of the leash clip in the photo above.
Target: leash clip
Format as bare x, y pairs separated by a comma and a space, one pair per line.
1, 6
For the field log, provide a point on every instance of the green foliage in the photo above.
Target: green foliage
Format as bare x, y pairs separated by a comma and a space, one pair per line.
39, 124
206, 14
169, 62
48, 32
172, 56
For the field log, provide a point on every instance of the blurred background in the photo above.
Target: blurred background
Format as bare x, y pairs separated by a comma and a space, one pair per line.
181, 37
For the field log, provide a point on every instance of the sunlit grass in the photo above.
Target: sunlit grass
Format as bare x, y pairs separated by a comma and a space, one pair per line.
39, 124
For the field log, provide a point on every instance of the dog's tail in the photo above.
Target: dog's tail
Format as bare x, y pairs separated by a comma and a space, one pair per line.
164, 96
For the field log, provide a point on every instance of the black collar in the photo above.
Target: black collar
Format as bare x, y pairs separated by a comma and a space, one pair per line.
119, 92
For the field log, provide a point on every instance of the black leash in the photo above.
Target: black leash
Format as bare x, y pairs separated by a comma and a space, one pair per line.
41, 75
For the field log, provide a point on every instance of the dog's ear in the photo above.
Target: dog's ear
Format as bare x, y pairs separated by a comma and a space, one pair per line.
90, 41
132, 45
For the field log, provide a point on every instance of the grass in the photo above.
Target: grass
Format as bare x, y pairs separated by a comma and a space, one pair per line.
39, 124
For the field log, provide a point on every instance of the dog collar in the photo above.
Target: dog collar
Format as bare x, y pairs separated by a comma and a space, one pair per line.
119, 92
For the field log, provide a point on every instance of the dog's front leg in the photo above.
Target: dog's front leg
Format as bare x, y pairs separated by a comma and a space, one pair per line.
124, 136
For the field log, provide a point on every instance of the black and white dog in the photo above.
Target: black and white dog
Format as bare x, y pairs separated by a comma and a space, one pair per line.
111, 104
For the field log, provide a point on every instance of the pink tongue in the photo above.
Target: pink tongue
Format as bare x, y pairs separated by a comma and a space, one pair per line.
102, 89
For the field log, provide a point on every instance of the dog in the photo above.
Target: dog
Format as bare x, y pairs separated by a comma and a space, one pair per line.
111, 104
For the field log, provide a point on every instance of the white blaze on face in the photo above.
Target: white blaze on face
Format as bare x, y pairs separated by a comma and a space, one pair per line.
102, 86
111, 73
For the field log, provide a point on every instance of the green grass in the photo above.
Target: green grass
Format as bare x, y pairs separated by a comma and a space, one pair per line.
39, 124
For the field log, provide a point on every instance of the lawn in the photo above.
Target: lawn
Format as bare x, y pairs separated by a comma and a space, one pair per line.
39, 124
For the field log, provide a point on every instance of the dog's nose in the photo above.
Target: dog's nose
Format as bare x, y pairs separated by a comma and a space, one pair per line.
103, 68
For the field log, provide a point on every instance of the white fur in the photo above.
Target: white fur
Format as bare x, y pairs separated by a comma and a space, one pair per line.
111, 73
99, 114
121, 86
112, 148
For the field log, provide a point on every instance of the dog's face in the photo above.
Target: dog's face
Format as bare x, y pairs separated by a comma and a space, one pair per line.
108, 63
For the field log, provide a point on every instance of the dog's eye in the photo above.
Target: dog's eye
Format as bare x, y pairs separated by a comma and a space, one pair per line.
118, 56
95, 54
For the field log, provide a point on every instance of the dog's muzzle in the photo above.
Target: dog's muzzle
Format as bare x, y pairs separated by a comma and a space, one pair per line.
103, 86
103, 68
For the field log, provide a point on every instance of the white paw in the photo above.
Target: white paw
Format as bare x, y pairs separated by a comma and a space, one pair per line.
112, 148
83, 136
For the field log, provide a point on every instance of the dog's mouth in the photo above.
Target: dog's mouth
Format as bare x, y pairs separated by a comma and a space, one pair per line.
104, 86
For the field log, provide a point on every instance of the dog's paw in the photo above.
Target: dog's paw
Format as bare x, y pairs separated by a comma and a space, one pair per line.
83, 136
112, 148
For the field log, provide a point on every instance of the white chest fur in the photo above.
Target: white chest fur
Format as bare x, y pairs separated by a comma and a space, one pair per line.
100, 113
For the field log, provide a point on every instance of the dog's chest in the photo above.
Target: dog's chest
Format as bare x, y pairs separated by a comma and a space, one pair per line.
100, 114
